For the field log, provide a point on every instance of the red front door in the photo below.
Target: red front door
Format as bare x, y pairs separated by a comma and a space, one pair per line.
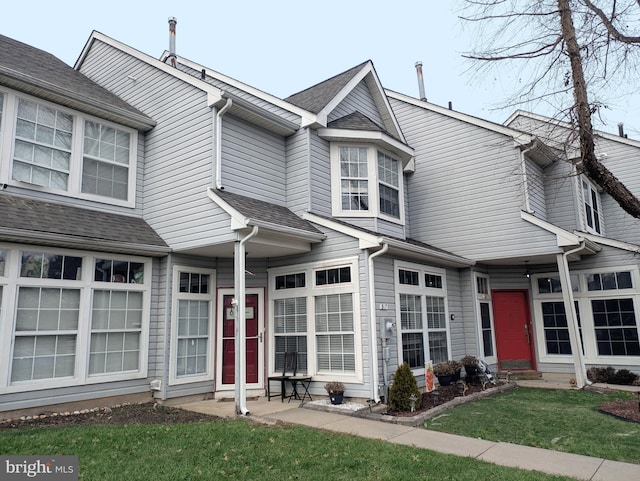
514, 336
251, 340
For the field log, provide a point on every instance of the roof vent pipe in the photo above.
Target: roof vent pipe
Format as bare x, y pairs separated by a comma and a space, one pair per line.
420, 80
172, 40
621, 130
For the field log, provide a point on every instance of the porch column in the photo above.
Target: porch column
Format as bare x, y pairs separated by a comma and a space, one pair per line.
572, 318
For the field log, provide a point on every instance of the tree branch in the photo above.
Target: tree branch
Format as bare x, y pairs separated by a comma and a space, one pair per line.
613, 31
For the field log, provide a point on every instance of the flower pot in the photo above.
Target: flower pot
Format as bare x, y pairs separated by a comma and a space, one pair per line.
336, 397
445, 380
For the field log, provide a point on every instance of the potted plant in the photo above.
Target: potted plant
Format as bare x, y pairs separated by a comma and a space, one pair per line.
470, 364
444, 372
335, 390
457, 368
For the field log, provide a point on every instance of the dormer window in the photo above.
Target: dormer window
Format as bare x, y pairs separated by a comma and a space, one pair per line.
592, 208
367, 182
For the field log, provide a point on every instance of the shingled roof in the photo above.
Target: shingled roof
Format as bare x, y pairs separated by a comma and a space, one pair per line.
266, 212
357, 121
316, 98
50, 223
39, 73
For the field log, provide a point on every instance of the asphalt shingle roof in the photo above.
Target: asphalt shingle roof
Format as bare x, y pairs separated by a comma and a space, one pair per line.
23, 63
316, 98
32, 216
266, 212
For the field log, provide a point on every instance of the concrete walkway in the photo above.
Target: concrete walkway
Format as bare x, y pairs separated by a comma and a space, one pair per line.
504, 454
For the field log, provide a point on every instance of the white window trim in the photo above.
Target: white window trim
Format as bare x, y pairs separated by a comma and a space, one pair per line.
178, 296
423, 292
310, 291
583, 214
480, 298
373, 183
11, 281
74, 188
584, 297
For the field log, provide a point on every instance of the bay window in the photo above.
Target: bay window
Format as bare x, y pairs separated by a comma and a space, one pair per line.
366, 182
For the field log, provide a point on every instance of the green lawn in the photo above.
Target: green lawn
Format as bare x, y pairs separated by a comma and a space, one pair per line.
565, 420
240, 450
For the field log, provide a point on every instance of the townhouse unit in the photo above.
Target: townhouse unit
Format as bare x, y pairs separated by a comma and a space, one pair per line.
363, 228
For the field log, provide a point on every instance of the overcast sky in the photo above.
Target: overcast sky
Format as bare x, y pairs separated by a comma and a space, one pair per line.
285, 46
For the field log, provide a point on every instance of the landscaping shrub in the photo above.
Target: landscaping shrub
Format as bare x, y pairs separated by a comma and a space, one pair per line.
624, 377
610, 376
404, 385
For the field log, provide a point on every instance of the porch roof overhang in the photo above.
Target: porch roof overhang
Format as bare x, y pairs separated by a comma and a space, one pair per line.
280, 231
406, 248
564, 239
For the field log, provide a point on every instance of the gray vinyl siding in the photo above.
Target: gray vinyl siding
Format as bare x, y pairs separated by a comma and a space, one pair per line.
466, 194
160, 308
179, 150
236, 92
298, 167
535, 189
320, 174
561, 196
359, 99
253, 161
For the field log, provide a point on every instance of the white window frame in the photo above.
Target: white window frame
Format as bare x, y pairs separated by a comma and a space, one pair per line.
373, 182
480, 299
174, 379
423, 291
310, 291
74, 184
597, 209
11, 281
583, 298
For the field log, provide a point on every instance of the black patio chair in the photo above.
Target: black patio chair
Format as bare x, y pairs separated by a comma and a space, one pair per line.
288, 370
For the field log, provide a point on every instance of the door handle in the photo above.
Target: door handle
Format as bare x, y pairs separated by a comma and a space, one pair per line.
260, 337
526, 333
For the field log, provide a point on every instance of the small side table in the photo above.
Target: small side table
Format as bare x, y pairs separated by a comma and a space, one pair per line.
300, 381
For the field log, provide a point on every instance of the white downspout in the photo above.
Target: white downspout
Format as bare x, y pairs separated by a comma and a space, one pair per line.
525, 180
239, 302
219, 115
572, 318
374, 324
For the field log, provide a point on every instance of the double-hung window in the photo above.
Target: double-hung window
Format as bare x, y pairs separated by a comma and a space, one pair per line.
592, 207
72, 317
422, 309
606, 306
367, 182
192, 324
58, 150
485, 317
316, 314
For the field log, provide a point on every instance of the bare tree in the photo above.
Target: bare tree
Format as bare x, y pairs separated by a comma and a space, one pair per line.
574, 50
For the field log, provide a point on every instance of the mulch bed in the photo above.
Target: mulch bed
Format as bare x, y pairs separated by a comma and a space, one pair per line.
626, 410
126, 414
442, 395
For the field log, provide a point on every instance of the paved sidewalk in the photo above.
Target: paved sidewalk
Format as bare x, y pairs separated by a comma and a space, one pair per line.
504, 454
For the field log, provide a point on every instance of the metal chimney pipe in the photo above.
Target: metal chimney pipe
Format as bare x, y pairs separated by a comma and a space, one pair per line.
621, 129
420, 80
172, 40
